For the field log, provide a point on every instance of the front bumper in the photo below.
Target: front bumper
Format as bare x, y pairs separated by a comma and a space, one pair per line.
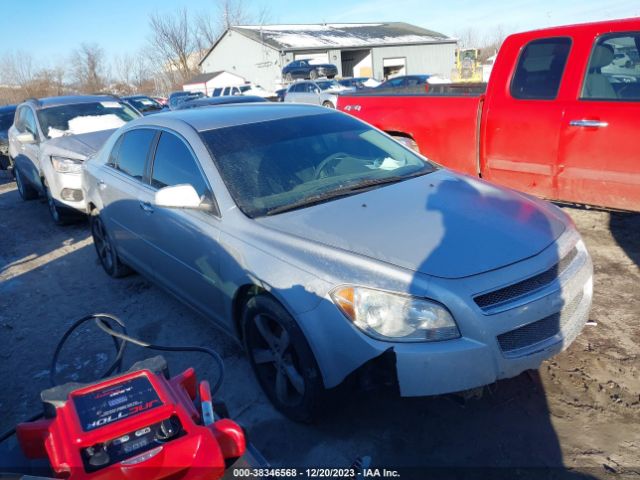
66, 189
477, 358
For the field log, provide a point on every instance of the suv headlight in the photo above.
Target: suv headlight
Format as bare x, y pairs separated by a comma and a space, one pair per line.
394, 316
66, 165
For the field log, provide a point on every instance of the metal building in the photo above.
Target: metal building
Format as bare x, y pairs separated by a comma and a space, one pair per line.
258, 53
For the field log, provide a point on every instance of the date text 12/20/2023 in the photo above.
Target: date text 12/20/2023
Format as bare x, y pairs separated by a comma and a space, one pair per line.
346, 473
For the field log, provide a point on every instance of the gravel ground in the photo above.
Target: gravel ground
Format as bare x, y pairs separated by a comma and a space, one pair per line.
581, 410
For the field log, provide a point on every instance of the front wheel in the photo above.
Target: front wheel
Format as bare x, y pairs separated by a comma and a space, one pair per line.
59, 215
282, 359
107, 254
26, 191
328, 104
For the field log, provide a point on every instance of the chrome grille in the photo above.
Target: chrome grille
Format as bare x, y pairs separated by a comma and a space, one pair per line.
539, 331
524, 287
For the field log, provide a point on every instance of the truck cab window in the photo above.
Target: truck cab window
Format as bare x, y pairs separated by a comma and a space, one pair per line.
540, 69
614, 69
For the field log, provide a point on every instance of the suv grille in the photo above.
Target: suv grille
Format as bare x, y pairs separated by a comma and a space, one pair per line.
524, 287
539, 331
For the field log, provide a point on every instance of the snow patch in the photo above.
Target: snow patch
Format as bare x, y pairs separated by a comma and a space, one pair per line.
88, 124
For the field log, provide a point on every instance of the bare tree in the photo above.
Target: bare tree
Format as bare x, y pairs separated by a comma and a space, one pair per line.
173, 43
89, 68
468, 38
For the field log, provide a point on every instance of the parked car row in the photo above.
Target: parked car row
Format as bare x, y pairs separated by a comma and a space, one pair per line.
266, 219
6, 119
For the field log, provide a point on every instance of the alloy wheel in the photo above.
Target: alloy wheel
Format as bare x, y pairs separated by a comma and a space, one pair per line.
102, 243
276, 360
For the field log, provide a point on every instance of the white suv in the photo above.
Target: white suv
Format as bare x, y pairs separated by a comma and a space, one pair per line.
52, 137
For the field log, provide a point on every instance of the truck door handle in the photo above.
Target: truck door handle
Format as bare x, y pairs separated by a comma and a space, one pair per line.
146, 206
588, 123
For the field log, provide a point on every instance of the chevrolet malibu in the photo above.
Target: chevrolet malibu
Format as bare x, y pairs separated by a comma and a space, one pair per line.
335, 253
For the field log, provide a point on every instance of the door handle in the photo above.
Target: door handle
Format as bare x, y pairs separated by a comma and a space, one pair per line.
146, 206
101, 185
588, 123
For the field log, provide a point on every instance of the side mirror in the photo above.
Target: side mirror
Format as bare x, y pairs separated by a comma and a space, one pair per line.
26, 138
178, 196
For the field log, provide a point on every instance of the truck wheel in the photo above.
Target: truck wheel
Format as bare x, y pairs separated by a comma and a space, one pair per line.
281, 359
26, 191
107, 254
60, 215
328, 104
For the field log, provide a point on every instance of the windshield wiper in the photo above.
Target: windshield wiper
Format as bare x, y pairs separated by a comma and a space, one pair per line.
342, 192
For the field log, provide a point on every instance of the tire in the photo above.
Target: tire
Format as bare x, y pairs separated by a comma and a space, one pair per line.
281, 359
26, 191
328, 104
313, 74
59, 215
107, 254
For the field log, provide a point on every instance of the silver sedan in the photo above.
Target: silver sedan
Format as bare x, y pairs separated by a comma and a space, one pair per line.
332, 251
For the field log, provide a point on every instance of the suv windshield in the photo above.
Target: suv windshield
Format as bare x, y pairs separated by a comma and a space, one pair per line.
280, 165
84, 117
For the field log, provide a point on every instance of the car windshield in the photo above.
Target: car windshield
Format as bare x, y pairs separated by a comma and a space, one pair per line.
6, 119
327, 84
145, 104
282, 164
84, 117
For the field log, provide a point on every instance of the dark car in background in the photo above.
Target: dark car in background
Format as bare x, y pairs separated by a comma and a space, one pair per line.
404, 82
6, 119
358, 82
305, 69
144, 104
213, 101
176, 98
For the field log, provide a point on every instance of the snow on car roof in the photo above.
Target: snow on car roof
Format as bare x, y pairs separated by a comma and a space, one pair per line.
342, 35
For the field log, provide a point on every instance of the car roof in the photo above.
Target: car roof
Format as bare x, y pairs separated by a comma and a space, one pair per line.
131, 97
231, 115
47, 102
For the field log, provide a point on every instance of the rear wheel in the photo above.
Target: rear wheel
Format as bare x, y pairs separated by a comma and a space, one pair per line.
26, 191
104, 248
281, 359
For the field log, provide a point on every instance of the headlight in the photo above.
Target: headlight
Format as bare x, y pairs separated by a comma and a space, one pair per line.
66, 165
395, 317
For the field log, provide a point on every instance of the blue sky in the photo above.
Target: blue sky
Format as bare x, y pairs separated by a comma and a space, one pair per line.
51, 30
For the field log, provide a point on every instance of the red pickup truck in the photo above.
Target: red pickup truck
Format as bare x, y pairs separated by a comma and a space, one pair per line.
560, 117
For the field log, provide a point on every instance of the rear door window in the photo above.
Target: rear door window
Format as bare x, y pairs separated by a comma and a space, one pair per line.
217, 92
614, 68
133, 152
175, 165
540, 68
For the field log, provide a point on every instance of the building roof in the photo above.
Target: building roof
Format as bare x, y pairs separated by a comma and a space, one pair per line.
203, 77
339, 35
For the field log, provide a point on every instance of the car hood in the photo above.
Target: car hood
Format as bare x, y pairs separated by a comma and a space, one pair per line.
79, 146
441, 224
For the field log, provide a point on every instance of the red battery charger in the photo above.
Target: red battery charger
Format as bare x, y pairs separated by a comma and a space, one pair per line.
138, 425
